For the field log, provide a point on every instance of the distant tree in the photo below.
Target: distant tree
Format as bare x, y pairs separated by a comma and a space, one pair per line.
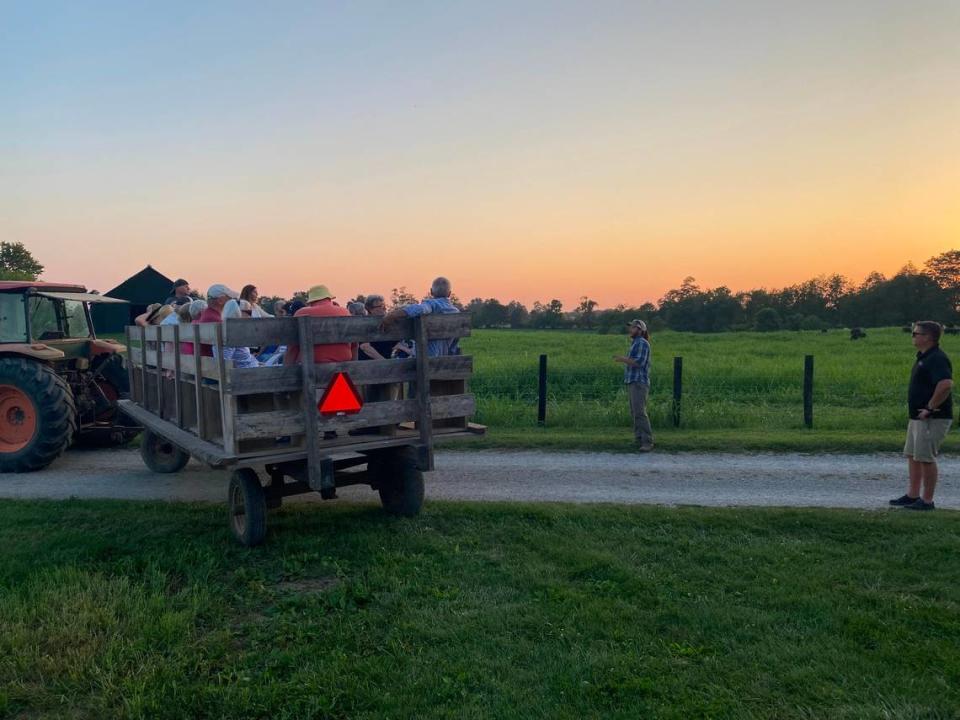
767, 320
585, 312
17, 263
517, 314
872, 280
902, 299
475, 306
547, 316
945, 271
812, 322
400, 297
269, 302
300, 295
493, 313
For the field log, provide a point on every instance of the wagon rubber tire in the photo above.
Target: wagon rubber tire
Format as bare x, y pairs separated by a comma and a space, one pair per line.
398, 479
38, 415
160, 455
247, 506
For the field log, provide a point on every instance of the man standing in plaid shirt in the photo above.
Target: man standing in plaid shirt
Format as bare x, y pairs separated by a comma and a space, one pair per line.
636, 376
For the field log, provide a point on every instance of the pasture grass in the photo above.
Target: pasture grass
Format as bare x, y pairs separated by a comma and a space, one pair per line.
149, 610
739, 384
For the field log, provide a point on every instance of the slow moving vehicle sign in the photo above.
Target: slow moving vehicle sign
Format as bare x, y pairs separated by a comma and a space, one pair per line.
340, 397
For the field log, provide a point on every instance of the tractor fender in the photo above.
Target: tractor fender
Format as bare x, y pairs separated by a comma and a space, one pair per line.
106, 347
35, 351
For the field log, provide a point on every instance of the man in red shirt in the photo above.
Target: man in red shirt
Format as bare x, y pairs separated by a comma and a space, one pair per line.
320, 304
217, 297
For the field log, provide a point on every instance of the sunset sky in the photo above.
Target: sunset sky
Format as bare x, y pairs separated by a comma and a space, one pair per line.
527, 150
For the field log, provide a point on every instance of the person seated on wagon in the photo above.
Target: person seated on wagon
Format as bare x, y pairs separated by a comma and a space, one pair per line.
241, 357
437, 303
217, 297
376, 306
293, 306
180, 294
188, 314
320, 304
155, 315
250, 294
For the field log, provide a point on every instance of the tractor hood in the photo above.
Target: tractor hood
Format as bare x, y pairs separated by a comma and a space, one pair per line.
78, 296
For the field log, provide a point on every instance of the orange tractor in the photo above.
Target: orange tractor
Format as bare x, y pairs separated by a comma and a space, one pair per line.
58, 383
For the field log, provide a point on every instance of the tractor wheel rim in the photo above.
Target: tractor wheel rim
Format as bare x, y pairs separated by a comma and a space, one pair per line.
18, 419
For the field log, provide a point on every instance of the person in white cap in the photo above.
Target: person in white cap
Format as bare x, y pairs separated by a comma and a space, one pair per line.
636, 376
217, 297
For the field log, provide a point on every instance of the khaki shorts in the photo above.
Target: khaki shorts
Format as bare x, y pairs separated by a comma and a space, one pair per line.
924, 438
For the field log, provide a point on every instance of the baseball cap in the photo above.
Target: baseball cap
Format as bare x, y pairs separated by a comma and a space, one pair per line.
638, 324
219, 290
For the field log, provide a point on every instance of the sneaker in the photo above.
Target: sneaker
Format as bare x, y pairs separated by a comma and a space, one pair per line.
904, 500
919, 504
645, 448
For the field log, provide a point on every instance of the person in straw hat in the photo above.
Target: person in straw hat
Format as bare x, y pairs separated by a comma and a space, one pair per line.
320, 303
155, 314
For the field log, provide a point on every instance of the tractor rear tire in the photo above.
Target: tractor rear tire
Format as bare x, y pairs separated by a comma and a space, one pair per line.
247, 504
396, 476
161, 455
38, 416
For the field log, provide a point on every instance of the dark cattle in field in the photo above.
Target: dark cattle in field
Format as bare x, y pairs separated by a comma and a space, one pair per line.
857, 333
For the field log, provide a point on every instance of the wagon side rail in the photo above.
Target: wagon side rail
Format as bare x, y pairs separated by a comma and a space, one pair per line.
273, 410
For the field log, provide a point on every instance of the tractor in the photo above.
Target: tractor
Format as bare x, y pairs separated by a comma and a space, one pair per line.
59, 384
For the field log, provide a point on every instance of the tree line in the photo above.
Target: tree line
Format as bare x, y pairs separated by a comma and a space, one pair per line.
932, 292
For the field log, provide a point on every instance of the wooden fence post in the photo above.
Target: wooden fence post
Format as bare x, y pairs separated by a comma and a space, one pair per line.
808, 391
542, 393
677, 389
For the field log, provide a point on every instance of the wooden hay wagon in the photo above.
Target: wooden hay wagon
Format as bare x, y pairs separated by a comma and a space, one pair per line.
195, 404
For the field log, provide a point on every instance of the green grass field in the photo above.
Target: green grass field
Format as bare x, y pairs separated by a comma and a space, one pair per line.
731, 380
741, 390
135, 610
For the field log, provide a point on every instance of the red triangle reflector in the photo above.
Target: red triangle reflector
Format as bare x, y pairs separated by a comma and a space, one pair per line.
340, 397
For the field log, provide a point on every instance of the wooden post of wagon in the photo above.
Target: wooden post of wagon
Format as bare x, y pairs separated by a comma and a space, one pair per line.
808, 391
542, 393
424, 410
309, 400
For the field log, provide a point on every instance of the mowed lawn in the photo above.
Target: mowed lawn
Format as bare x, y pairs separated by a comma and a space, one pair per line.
115, 609
741, 391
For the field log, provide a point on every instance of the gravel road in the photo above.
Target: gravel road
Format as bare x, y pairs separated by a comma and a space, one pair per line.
851, 481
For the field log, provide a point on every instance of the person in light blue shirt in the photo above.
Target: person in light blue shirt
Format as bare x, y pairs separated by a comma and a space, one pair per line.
438, 302
241, 357
636, 376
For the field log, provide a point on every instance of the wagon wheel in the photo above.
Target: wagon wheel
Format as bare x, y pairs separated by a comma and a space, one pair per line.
161, 455
247, 504
395, 474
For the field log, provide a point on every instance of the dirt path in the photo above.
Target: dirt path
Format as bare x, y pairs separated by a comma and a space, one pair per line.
852, 481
